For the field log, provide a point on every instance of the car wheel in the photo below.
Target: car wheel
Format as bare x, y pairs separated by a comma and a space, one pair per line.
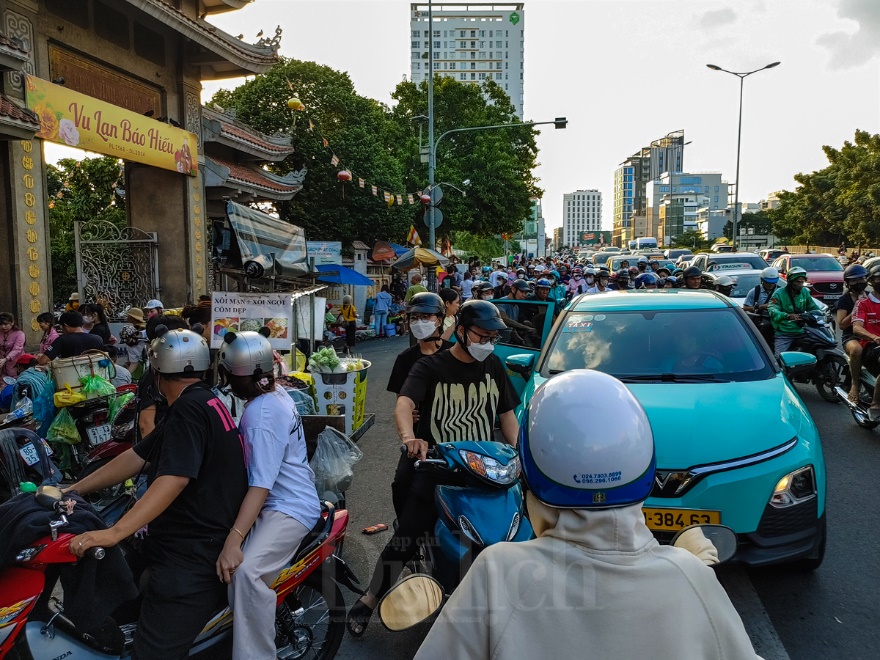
812, 563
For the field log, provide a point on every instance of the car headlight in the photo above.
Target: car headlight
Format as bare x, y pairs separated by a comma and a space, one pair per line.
490, 469
794, 488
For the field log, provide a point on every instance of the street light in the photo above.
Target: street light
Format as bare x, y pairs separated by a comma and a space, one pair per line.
742, 76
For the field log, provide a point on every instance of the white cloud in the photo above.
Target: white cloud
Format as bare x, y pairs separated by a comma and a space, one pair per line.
716, 18
851, 49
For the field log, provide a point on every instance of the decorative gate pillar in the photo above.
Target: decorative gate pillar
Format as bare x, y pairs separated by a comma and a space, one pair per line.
199, 256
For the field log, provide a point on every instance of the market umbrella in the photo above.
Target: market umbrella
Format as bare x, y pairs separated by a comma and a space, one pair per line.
419, 256
341, 275
398, 249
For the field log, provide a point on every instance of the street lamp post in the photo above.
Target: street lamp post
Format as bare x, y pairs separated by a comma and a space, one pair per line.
742, 76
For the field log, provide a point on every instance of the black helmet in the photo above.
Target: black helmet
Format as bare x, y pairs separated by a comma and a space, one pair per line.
521, 284
623, 274
855, 272
692, 271
481, 314
426, 303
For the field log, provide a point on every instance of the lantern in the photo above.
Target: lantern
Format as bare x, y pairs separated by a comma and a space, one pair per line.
425, 199
344, 176
295, 104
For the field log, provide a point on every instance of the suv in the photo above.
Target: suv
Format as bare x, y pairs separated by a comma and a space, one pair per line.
712, 261
824, 273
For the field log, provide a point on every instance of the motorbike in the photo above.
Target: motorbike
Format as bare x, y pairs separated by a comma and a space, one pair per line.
831, 363
309, 617
859, 409
487, 507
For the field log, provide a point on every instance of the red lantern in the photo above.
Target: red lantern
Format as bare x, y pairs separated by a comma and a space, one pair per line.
425, 199
344, 176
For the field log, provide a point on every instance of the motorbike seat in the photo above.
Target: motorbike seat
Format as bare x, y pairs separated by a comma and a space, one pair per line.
317, 535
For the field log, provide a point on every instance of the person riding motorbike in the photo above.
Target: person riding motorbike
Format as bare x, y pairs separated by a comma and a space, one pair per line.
646, 281
577, 284
757, 302
866, 326
595, 569
197, 480
281, 505
603, 281
558, 290
693, 278
787, 304
855, 277
459, 392
621, 283
724, 285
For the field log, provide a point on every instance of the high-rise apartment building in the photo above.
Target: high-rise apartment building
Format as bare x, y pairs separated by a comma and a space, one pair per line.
582, 213
674, 200
472, 43
665, 154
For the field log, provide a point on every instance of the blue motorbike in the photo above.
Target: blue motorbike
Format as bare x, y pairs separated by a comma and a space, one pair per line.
485, 507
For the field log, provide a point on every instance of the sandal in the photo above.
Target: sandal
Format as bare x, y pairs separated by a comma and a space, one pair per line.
358, 618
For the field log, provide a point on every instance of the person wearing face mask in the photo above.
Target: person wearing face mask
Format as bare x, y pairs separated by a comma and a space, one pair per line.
577, 285
95, 321
558, 292
855, 277
154, 308
622, 281
786, 306
196, 482
459, 392
603, 282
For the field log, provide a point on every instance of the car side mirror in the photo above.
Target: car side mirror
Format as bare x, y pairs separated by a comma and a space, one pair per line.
521, 364
796, 363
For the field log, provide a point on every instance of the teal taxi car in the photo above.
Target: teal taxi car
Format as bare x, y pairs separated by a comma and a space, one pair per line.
735, 443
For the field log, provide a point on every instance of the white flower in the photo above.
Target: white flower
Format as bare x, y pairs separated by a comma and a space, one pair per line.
67, 131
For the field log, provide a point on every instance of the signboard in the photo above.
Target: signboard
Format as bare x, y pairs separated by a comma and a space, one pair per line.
325, 252
595, 238
68, 117
237, 312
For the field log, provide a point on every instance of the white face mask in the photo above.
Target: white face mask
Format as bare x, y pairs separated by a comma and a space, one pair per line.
88, 319
480, 351
422, 329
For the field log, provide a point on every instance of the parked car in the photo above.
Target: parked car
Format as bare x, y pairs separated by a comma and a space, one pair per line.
824, 273
711, 261
735, 444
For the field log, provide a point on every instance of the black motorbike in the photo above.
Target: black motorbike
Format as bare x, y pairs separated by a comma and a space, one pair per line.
818, 339
859, 409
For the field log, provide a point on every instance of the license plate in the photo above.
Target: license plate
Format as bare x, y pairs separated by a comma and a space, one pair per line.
674, 520
99, 434
832, 296
29, 454
49, 451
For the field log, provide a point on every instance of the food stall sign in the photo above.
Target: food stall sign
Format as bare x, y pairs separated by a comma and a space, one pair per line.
238, 312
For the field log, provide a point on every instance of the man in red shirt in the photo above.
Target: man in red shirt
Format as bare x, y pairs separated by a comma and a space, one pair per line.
866, 327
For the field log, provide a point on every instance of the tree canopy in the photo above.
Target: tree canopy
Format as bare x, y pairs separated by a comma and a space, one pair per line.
381, 144
838, 202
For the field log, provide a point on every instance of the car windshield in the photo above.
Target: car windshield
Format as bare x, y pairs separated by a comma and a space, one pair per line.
744, 284
816, 263
742, 261
711, 344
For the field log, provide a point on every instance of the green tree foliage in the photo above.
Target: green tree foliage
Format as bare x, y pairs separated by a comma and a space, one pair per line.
80, 191
839, 202
759, 223
691, 239
485, 248
382, 145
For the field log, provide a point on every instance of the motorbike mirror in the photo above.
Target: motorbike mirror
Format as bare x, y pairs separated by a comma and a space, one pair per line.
411, 601
47, 496
712, 544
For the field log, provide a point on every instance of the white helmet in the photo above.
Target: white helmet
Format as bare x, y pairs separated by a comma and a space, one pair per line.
154, 304
724, 280
611, 465
179, 352
246, 354
770, 275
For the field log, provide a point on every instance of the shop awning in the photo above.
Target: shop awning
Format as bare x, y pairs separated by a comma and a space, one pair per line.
275, 245
16, 123
342, 275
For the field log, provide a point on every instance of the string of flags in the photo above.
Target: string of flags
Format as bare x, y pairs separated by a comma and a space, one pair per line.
345, 175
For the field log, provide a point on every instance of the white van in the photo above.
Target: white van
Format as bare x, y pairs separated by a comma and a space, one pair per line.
643, 243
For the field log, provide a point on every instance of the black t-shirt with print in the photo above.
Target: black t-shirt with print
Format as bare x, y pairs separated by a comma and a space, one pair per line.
847, 304
458, 400
404, 364
73, 344
198, 439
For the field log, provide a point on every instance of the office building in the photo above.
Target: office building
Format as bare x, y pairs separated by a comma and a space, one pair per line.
533, 239
581, 214
630, 181
472, 43
673, 202
557, 238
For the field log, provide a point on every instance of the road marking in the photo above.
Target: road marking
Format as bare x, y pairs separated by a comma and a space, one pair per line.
755, 618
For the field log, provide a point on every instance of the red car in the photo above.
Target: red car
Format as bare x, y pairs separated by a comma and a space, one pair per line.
824, 273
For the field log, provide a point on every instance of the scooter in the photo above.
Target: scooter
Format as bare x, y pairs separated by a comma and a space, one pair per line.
831, 364
309, 617
859, 409
486, 509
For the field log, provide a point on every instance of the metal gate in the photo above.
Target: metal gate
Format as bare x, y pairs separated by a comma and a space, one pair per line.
117, 266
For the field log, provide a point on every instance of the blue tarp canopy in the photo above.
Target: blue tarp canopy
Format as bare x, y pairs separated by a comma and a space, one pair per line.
341, 275
398, 249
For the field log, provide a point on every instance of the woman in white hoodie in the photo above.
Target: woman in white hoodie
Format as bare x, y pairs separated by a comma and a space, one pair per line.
594, 583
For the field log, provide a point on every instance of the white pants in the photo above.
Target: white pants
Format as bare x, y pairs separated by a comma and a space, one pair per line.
269, 546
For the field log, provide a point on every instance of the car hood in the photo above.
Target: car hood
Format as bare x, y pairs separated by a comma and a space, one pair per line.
695, 424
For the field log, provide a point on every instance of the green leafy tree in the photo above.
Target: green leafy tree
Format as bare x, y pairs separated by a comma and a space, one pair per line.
485, 248
759, 223
691, 239
360, 135
80, 191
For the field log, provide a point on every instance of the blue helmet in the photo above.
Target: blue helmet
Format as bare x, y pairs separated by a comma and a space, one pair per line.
611, 465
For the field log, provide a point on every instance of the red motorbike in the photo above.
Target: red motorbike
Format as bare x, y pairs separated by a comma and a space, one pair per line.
309, 617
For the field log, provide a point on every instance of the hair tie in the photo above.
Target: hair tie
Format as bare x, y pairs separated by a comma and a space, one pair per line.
263, 382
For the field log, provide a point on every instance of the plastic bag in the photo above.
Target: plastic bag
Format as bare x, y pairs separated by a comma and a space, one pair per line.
67, 397
332, 463
63, 429
94, 384
305, 404
117, 403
